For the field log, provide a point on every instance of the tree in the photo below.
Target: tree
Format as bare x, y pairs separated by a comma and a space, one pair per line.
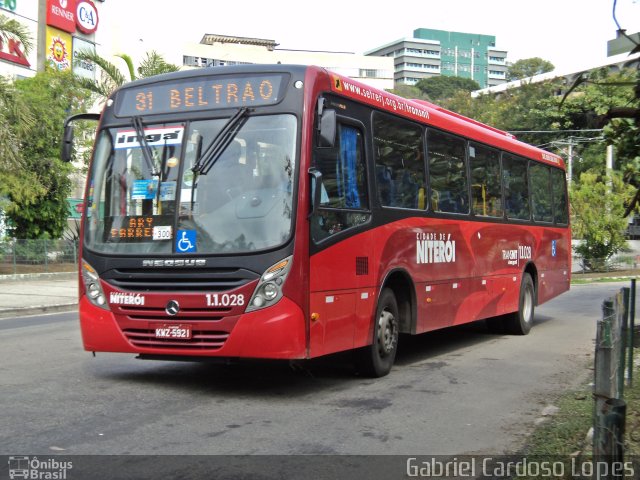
528, 67
111, 76
408, 91
597, 207
50, 96
15, 121
12, 29
16, 181
11, 107
541, 107
442, 87
532, 106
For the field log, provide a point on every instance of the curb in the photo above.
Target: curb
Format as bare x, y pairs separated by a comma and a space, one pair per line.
38, 276
601, 279
26, 311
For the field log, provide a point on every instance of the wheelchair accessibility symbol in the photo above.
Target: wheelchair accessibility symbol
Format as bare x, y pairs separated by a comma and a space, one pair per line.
186, 241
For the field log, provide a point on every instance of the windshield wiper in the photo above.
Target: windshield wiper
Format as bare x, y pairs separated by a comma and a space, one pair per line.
220, 142
146, 149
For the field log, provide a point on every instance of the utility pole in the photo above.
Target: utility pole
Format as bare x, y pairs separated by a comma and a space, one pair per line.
570, 162
609, 170
609, 159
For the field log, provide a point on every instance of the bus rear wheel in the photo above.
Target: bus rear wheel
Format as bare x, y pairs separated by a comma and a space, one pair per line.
520, 322
377, 359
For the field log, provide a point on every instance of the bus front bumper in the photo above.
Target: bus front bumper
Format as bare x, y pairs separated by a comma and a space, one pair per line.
276, 332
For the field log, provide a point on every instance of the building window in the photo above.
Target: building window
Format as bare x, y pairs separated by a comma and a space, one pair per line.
368, 73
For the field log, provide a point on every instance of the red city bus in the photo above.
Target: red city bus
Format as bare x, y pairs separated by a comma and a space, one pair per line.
287, 212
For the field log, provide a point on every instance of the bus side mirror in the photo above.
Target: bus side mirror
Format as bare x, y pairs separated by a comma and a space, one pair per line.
67, 138
316, 189
327, 130
67, 144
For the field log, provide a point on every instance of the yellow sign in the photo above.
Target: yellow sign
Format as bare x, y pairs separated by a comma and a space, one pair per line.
58, 49
337, 84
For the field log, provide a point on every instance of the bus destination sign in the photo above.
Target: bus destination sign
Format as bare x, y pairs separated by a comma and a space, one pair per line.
202, 93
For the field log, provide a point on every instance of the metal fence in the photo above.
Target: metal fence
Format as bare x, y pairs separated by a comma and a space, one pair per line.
37, 256
616, 263
613, 368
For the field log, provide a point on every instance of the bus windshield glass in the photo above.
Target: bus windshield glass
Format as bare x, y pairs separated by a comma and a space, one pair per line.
145, 196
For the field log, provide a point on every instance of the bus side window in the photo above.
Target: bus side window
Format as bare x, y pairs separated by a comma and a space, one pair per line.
559, 188
343, 195
516, 187
486, 191
541, 207
399, 162
447, 172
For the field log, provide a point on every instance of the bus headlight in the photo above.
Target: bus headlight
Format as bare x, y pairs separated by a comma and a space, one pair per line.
269, 288
92, 286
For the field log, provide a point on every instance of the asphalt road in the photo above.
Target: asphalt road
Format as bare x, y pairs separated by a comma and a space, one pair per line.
461, 390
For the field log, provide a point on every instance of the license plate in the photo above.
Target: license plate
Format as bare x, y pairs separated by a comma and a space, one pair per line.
182, 332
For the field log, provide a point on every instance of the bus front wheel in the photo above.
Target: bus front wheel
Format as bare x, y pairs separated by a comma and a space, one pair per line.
377, 359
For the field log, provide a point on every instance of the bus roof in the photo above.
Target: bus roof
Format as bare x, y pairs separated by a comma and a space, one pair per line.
431, 114
420, 110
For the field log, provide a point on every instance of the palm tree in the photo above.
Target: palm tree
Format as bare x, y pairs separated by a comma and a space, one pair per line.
12, 110
12, 28
16, 120
111, 76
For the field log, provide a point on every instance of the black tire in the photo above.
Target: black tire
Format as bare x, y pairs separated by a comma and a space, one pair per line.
376, 360
520, 322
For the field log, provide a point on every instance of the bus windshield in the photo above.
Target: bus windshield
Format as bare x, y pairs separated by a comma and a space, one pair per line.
145, 196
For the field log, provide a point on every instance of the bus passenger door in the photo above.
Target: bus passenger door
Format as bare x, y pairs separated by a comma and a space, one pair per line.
339, 242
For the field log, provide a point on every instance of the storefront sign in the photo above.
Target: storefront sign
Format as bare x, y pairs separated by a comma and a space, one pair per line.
83, 68
58, 49
11, 51
9, 5
86, 16
62, 14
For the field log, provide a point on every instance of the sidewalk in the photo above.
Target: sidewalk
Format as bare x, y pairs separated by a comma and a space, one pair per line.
31, 294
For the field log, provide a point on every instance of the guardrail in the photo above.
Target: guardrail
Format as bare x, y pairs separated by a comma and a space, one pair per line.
38, 256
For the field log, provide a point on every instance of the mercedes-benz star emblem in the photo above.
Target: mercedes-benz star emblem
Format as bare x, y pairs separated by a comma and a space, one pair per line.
172, 308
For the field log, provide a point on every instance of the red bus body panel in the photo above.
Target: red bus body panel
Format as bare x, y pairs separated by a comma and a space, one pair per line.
461, 270
479, 279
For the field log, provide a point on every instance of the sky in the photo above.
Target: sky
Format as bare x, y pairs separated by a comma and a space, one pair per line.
571, 34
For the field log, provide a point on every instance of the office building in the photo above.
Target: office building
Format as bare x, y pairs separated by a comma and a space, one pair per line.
217, 50
437, 52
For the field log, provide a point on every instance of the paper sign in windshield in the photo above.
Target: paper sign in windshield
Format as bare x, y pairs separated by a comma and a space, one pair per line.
155, 137
167, 191
144, 189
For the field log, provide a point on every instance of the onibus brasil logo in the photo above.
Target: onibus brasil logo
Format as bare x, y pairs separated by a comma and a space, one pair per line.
34, 468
